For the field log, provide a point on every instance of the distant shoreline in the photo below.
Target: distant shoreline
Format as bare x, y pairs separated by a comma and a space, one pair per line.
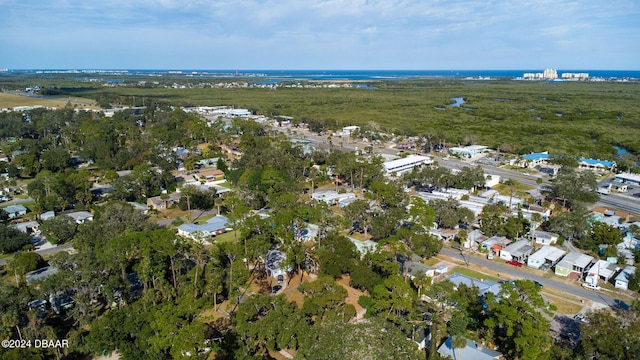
330, 75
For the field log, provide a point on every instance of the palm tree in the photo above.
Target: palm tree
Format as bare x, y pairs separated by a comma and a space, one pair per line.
458, 342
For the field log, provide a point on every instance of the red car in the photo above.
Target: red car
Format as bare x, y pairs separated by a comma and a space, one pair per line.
514, 263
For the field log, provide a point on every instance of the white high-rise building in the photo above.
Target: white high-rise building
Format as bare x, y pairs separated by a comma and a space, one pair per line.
550, 74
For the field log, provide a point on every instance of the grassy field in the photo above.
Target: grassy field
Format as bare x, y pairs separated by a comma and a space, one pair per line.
11, 101
584, 118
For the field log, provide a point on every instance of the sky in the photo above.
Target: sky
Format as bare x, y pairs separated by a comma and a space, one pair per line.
320, 34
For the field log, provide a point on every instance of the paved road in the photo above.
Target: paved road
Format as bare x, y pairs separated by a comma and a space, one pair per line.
43, 252
622, 202
603, 297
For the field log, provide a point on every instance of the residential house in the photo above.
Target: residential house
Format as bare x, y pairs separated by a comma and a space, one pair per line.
215, 226
472, 351
80, 217
444, 234
47, 215
274, 263
622, 280
210, 175
40, 274
474, 239
491, 181
484, 286
517, 251
547, 254
600, 271
14, 211
573, 265
544, 237
495, 243
332, 197
158, 203
28, 227
307, 233
140, 207
364, 247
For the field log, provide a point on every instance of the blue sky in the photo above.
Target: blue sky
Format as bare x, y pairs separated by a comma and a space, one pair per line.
320, 34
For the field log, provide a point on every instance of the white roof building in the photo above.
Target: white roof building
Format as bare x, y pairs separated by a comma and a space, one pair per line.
80, 217
546, 254
332, 197
544, 237
405, 164
468, 151
601, 270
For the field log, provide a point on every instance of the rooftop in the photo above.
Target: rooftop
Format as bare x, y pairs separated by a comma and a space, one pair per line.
472, 350
536, 156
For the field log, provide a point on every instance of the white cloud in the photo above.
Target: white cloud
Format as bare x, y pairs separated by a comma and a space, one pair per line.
338, 33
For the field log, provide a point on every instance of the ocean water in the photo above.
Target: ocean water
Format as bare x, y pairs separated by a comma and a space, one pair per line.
337, 75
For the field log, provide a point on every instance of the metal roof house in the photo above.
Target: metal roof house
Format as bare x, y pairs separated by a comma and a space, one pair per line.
14, 211
472, 351
544, 237
601, 270
332, 197
484, 286
547, 254
40, 274
622, 280
214, 226
518, 251
574, 262
80, 217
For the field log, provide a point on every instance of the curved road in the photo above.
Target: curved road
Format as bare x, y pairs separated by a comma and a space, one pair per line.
502, 268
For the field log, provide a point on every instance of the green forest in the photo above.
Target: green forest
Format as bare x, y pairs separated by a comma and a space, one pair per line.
576, 118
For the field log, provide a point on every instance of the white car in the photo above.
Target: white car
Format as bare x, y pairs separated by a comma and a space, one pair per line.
591, 286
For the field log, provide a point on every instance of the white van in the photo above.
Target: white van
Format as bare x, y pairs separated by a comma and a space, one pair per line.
591, 286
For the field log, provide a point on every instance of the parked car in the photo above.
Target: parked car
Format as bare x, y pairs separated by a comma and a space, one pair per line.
591, 286
580, 317
280, 279
457, 247
545, 267
514, 263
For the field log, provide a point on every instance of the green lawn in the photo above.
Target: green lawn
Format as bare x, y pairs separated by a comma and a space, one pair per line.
226, 237
474, 274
